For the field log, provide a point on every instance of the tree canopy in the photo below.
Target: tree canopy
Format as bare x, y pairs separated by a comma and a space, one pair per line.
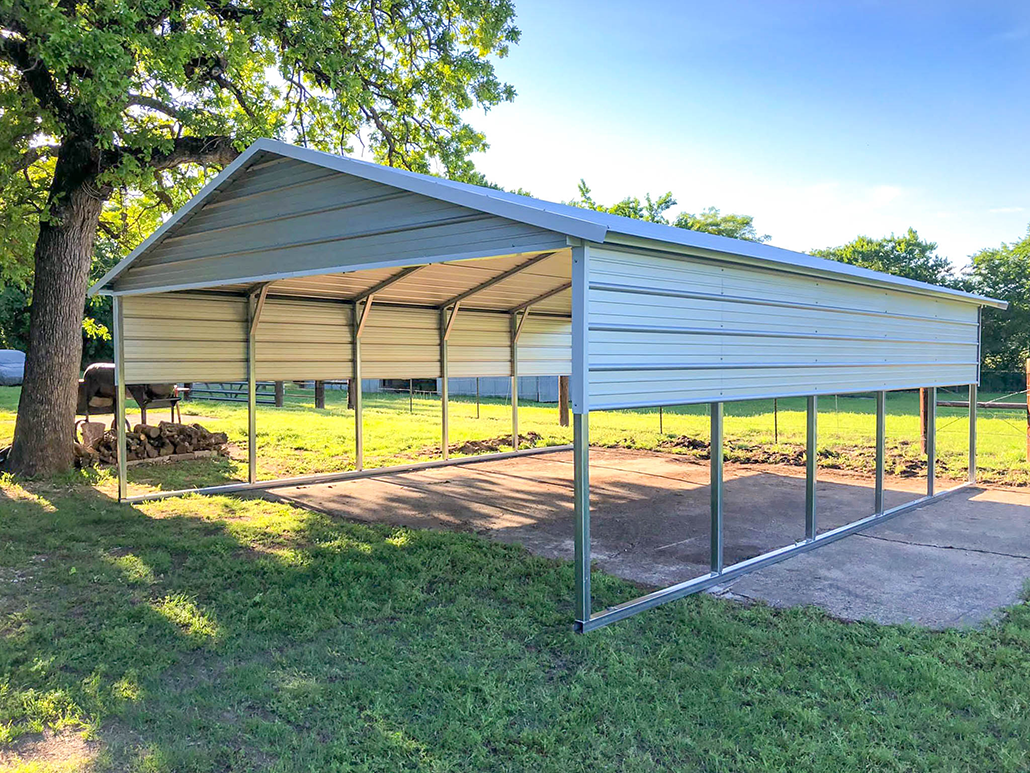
709, 220
114, 113
1004, 273
906, 255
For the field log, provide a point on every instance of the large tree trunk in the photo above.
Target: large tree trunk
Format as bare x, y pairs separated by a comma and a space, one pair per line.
45, 430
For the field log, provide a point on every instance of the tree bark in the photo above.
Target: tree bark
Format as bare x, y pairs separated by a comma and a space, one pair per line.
44, 434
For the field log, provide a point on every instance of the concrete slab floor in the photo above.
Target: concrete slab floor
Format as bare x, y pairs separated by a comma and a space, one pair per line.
953, 562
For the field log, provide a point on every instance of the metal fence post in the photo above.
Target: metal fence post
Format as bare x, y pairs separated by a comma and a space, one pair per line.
972, 432
881, 449
811, 467
252, 306
716, 486
931, 439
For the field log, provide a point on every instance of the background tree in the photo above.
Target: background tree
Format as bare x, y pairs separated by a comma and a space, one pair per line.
1004, 272
133, 101
710, 220
906, 255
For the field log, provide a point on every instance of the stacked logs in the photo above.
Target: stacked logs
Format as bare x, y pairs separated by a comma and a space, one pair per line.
147, 442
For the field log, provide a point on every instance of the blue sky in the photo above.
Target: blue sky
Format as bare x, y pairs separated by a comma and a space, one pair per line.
824, 120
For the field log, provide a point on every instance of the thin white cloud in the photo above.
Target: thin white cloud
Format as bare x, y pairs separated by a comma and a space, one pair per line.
1005, 210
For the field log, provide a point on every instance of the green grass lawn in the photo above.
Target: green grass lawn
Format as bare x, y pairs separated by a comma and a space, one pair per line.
222, 634
230, 634
298, 439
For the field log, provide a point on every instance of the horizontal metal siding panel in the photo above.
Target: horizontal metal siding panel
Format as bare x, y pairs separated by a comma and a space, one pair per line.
401, 343
294, 217
479, 345
298, 339
545, 347
666, 330
176, 337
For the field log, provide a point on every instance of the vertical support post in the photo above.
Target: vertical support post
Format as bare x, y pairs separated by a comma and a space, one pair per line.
776, 421
477, 397
252, 306
280, 394
444, 428
881, 449
355, 393
320, 395
716, 486
811, 467
515, 382
931, 439
661, 421
581, 507
411, 395
972, 431
580, 430
119, 397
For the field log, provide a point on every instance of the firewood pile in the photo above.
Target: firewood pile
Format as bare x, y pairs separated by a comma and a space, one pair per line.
146, 442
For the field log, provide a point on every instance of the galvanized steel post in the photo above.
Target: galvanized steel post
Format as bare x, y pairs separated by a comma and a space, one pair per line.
581, 432
811, 466
881, 448
931, 439
716, 486
119, 397
581, 508
972, 432
444, 428
355, 384
251, 390
514, 383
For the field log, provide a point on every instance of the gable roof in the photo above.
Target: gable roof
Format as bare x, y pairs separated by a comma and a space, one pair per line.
570, 221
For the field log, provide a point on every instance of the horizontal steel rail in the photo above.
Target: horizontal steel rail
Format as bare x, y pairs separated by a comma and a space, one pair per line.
328, 477
673, 592
683, 330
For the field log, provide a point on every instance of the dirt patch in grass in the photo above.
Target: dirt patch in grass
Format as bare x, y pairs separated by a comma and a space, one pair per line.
493, 445
64, 750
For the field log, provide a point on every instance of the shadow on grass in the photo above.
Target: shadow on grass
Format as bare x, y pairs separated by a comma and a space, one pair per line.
223, 634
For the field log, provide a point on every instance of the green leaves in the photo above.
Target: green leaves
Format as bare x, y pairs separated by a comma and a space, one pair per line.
906, 255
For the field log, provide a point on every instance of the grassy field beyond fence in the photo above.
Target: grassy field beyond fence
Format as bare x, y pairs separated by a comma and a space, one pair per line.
298, 439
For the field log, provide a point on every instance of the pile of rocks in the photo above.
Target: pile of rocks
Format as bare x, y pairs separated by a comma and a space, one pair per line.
166, 441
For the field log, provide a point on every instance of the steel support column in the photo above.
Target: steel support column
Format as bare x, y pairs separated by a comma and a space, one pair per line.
252, 316
514, 382
716, 486
811, 467
444, 428
355, 384
931, 439
881, 448
972, 432
581, 508
119, 396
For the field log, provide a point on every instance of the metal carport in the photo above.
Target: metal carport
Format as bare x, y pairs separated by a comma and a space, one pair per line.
297, 264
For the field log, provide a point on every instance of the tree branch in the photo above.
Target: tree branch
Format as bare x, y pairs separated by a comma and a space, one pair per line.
213, 150
152, 103
40, 83
32, 155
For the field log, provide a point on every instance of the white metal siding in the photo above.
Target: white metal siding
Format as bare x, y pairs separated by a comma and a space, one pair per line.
668, 330
181, 337
479, 345
401, 343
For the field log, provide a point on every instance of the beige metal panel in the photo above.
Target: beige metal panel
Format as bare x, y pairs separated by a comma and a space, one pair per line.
666, 330
401, 343
545, 347
178, 337
480, 345
304, 339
